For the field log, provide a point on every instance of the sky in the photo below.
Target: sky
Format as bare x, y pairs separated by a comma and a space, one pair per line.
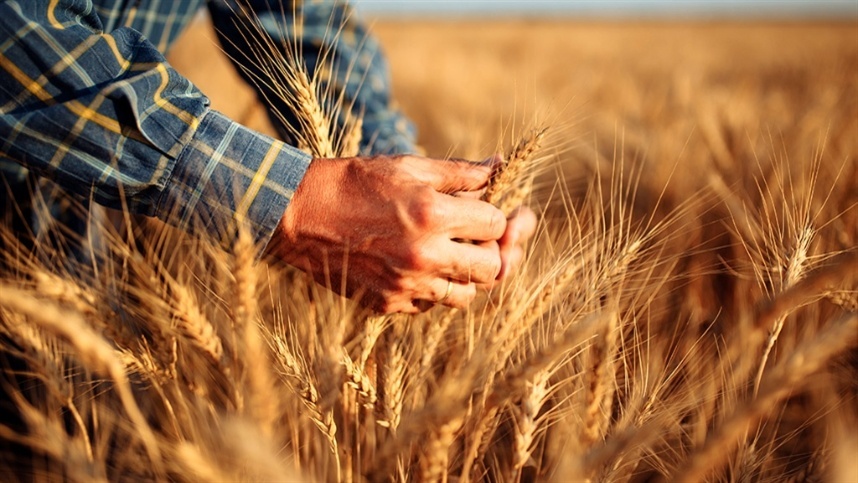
615, 8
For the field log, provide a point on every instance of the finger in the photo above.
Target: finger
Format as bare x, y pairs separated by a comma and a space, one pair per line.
452, 175
470, 219
398, 305
461, 294
521, 225
467, 262
443, 291
510, 261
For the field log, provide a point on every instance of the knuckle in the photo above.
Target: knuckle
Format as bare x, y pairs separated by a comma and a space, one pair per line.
497, 224
418, 258
491, 262
494, 222
392, 305
422, 209
387, 307
401, 162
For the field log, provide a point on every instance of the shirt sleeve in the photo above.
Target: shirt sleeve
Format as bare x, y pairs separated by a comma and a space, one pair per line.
335, 45
105, 116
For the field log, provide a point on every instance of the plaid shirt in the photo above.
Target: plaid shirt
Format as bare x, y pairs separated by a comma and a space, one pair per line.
88, 101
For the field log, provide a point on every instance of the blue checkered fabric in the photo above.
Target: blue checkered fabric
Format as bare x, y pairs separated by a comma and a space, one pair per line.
88, 101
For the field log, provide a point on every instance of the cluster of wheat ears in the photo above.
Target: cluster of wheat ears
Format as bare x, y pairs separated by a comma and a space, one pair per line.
644, 338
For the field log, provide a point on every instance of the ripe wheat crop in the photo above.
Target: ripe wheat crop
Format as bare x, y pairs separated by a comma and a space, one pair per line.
687, 311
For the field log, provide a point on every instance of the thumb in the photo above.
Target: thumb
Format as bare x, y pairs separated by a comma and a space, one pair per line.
455, 175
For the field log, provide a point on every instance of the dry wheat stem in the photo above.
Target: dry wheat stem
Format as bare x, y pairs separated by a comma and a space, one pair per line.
47, 436
44, 357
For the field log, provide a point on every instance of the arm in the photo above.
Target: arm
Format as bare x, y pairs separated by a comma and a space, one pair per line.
357, 66
104, 115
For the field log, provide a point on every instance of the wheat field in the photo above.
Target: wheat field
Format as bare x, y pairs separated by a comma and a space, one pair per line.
688, 310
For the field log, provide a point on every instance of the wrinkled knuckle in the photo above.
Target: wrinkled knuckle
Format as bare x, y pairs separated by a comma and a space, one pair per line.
402, 162
422, 210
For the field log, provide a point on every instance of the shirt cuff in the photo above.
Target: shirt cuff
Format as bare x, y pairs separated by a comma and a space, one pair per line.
229, 176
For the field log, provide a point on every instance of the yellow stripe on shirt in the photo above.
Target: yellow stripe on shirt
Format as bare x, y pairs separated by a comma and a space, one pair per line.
168, 106
52, 16
258, 179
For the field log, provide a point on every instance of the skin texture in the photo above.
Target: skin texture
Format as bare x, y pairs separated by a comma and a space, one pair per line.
391, 231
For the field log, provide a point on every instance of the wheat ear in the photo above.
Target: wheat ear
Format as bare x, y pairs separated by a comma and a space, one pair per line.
600, 392
292, 370
507, 173
526, 422
795, 270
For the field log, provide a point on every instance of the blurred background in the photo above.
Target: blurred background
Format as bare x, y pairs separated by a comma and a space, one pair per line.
613, 8
656, 73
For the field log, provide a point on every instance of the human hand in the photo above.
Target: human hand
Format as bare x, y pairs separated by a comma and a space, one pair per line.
520, 226
388, 231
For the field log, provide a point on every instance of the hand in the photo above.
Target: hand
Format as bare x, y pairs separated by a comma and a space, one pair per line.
388, 232
520, 226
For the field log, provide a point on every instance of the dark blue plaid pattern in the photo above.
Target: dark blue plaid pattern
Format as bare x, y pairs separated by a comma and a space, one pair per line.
88, 101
